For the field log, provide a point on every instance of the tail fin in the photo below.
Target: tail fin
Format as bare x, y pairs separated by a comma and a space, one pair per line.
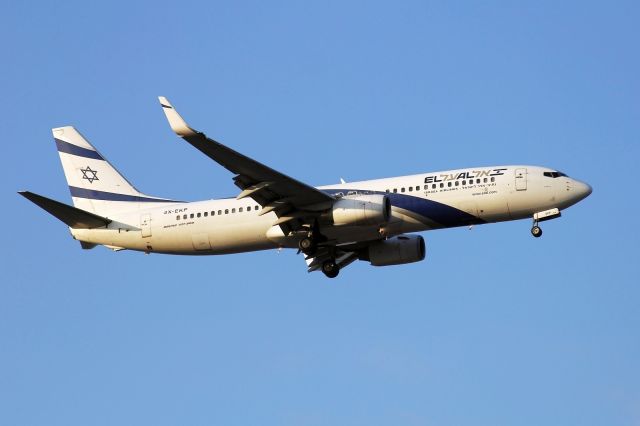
95, 185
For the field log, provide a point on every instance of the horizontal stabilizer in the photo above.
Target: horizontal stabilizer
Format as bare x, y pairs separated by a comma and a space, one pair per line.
72, 216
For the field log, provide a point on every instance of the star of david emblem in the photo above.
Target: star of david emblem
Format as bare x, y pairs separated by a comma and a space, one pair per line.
89, 174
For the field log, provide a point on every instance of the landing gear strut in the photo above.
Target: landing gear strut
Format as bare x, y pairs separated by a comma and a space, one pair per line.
309, 243
330, 269
553, 213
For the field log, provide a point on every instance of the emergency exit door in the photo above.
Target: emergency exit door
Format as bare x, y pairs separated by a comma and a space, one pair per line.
521, 179
145, 225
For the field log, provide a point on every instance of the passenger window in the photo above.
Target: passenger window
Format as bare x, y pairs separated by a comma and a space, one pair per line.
395, 190
449, 184
219, 212
493, 179
184, 216
457, 183
402, 190
441, 185
417, 188
485, 180
199, 215
178, 217
233, 210
386, 190
191, 215
213, 212
240, 210
477, 180
433, 186
426, 187
206, 214
226, 211
410, 188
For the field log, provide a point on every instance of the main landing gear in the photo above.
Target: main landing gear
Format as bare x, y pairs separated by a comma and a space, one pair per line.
330, 269
308, 245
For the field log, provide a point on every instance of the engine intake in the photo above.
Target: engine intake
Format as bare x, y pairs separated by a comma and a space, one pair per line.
361, 210
396, 251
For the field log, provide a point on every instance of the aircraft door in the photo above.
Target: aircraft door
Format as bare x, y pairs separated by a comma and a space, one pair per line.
521, 179
145, 225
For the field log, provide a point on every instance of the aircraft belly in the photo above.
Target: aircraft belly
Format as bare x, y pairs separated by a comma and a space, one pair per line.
238, 237
207, 237
344, 234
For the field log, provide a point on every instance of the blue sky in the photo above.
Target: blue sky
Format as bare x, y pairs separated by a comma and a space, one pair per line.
494, 328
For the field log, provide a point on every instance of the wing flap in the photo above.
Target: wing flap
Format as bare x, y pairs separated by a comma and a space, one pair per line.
342, 258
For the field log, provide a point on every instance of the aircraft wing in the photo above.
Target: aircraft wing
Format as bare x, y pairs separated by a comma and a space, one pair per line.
295, 203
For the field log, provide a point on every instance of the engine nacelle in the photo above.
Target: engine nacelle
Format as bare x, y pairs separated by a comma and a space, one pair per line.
396, 251
361, 210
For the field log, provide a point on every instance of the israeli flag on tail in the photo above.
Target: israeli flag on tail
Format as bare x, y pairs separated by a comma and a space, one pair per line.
96, 186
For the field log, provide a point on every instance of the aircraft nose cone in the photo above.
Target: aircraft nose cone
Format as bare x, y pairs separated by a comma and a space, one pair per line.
583, 190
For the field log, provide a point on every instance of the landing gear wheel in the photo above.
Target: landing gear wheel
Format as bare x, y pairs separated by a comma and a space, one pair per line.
536, 231
307, 245
330, 269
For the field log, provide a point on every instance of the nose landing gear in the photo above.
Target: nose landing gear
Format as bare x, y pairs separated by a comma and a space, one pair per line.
536, 231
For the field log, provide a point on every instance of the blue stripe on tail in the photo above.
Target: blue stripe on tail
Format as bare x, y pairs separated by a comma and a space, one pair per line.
76, 150
111, 196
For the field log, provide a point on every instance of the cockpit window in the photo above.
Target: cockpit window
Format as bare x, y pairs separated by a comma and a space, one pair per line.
554, 174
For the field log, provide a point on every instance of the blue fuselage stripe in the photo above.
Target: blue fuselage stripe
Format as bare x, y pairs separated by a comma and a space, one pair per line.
433, 210
111, 196
76, 150
438, 212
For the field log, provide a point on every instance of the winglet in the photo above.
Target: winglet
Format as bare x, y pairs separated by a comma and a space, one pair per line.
176, 122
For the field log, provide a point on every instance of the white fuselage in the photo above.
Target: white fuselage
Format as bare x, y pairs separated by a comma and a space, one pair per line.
419, 203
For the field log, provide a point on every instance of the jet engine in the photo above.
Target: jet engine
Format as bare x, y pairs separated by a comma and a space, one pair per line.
395, 251
361, 210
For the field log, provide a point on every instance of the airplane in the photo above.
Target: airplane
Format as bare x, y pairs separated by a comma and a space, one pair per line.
332, 226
